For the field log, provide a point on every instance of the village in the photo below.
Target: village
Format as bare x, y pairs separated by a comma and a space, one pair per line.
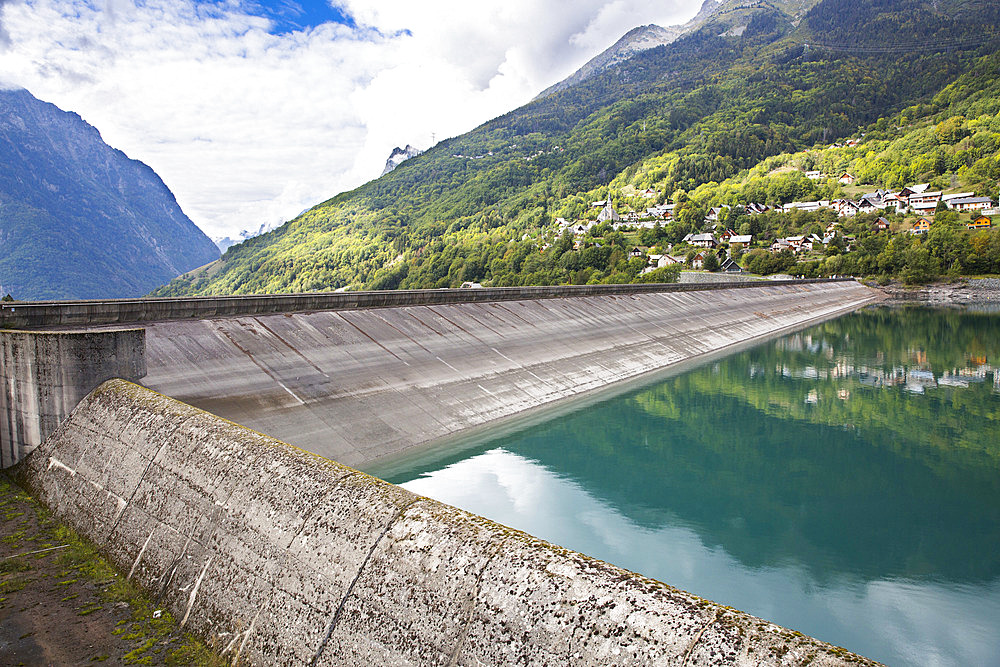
912, 209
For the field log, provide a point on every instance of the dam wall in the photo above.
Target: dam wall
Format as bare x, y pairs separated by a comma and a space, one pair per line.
361, 385
376, 373
45, 375
289, 558
35, 314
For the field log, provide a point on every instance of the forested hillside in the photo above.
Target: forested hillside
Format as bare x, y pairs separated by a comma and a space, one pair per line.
711, 108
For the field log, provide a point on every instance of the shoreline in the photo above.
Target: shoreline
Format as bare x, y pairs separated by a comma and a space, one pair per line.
971, 293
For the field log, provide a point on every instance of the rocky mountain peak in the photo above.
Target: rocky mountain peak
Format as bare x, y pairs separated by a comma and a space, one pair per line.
399, 156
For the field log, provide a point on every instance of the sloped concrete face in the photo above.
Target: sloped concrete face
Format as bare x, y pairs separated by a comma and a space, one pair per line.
289, 558
361, 385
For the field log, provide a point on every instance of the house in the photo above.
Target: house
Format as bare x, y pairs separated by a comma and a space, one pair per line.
740, 240
909, 191
729, 266
780, 244
846, 179
799, 243
881, 224
599, 204
871, 202
982, 222
699, 261
892, 199
920, 226
702, 240
845, 207
866, 205
925, 197
713, 213
660, 261
757, 209
806, 205
649, 194
608, 213
726, 235
956, 195
814, 175
970, 203
662, 211
636, 252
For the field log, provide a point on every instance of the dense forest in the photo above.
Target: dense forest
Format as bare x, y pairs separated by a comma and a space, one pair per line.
720, 116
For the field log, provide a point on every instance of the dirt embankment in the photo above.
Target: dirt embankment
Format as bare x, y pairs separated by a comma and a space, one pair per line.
975, 293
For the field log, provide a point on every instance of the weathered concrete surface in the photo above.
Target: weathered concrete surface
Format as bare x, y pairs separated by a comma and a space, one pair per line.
356, 386
45, 374
289, 558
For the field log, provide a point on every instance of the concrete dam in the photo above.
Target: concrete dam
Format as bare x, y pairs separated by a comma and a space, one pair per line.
292, 558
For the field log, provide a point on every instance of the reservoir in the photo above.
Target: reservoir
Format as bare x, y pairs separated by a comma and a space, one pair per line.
843, 481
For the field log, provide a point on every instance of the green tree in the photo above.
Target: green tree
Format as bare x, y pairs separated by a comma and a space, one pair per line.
711, 262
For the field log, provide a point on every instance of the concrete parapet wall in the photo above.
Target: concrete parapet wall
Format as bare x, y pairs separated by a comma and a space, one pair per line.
45, 374
289, 558
117, 311
360, 385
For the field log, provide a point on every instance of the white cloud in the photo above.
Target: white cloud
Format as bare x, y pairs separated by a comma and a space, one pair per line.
250, 127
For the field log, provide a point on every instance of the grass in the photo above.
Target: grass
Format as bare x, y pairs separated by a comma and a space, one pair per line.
153, 633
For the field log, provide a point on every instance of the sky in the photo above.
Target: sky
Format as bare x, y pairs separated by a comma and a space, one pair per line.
254, 110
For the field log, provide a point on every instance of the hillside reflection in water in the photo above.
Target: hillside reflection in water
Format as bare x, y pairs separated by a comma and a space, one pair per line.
843, 481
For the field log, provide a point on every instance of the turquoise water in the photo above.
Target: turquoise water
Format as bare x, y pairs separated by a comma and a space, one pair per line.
843, 481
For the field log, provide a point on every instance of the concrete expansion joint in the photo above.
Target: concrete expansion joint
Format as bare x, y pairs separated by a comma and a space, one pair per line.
312, 509
697, 638
350, 589
168, 574
471, 607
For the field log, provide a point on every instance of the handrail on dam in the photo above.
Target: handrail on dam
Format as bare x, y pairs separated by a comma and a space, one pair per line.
34, 314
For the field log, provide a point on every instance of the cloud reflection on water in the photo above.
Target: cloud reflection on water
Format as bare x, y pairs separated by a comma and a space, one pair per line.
896, 621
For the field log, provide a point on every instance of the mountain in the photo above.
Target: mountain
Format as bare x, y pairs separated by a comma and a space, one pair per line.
752, 82
225, 243
79, 219
724, 14
398, 156
638, 39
